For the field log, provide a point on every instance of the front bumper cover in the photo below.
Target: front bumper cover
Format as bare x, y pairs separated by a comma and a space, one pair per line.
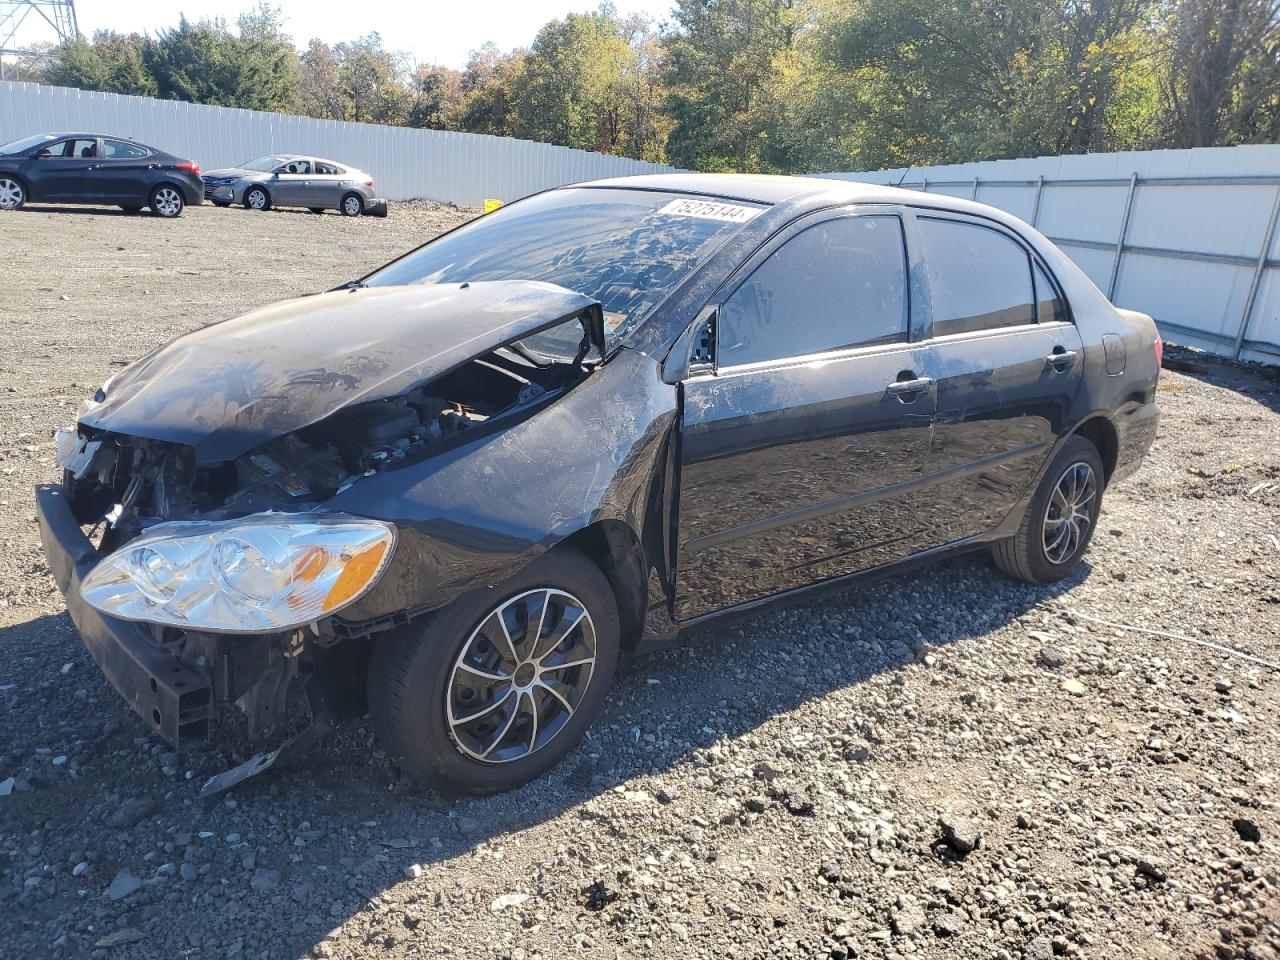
172, 698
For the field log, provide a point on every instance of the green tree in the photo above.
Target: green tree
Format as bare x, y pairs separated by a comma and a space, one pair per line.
722, 69
437, 98
1223, 82
369, 80
488, 84
565, 93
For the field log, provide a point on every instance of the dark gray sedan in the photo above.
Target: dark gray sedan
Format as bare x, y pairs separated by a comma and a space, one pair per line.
288, 180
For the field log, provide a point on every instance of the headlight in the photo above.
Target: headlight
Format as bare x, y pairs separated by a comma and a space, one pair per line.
255, 575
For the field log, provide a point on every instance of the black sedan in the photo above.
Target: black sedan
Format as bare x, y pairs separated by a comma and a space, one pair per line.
96, 169
456, 491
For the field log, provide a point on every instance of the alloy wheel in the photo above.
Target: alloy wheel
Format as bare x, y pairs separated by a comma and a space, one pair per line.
257, 200
168, 202
521, 675
11, 195
351, 206
1069, 513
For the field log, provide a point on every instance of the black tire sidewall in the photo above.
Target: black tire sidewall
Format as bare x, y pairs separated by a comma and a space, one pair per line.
1076, 450
342, 204
418, 732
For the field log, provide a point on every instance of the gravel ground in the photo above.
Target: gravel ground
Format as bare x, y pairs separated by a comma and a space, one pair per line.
941, 764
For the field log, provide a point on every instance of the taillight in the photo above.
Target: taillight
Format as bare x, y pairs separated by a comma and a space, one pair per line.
369, 184
190, 166
1159, 351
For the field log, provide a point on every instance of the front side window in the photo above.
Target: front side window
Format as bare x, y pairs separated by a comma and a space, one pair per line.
83, 149
842, 283
979, 278
120, 150
297, 166
626, 248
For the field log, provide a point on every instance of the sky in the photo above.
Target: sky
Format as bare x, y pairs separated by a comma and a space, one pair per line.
431, 31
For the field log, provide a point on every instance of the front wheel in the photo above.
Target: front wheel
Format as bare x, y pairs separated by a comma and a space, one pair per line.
257, 199
497, 687
166, 202
1060, 520
352, 205
12, 194
221, 203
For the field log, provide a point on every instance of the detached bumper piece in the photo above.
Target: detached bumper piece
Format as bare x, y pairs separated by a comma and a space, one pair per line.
176, 701
377, 207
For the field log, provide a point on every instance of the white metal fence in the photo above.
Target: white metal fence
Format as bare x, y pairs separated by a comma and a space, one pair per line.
1188, 236
406, 163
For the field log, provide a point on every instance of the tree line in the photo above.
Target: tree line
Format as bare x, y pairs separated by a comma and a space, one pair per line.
786, 86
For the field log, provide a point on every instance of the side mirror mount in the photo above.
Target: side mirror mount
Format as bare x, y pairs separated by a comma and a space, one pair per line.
693, 351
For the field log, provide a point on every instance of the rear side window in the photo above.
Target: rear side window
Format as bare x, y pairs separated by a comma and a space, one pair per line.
1049, 306
119, 150
328, 169
842, 283
979, 279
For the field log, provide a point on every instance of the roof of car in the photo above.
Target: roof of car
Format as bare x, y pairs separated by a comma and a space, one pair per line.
762, 188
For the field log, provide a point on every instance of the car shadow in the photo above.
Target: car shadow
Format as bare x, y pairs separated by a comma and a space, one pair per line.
77, 208
336, 834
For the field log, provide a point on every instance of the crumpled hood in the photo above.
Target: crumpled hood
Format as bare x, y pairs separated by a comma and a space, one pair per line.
232, 386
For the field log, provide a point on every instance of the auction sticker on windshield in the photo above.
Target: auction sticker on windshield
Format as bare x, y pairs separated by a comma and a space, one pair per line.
709, 210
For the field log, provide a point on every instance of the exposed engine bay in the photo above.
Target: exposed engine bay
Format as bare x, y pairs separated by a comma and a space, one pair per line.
129, 483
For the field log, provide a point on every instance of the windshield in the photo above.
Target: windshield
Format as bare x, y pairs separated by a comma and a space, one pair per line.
626, 248
264, 164
26, 143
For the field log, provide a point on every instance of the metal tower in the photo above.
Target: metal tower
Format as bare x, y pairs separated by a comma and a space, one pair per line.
29, 29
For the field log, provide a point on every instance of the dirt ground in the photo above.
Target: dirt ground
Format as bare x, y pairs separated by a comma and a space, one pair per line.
945, 763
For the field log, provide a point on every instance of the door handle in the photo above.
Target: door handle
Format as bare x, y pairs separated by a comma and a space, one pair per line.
900, 387
1060, 359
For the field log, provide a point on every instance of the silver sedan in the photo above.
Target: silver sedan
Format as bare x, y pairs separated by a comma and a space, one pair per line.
288, 180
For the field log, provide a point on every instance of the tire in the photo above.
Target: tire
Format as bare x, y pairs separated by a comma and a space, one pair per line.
419, 689
13, 193
1046, 547
167, 202
221, 203
316, 209
257, 198
352, 205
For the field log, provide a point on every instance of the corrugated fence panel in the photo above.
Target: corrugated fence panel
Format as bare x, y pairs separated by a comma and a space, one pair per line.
405, 163
1197, 221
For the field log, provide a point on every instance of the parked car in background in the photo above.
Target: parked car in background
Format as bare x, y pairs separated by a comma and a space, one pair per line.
290, 180
96, 169
459, 488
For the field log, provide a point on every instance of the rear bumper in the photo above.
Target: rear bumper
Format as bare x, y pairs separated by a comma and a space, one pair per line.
173, 699
1136, 426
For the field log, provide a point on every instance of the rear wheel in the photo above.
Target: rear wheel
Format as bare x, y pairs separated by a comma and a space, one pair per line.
497, 687
12, 194
352, 205
257, 199
1060, 520
167, 202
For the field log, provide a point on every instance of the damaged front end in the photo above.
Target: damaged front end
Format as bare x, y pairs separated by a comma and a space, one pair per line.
191, 534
